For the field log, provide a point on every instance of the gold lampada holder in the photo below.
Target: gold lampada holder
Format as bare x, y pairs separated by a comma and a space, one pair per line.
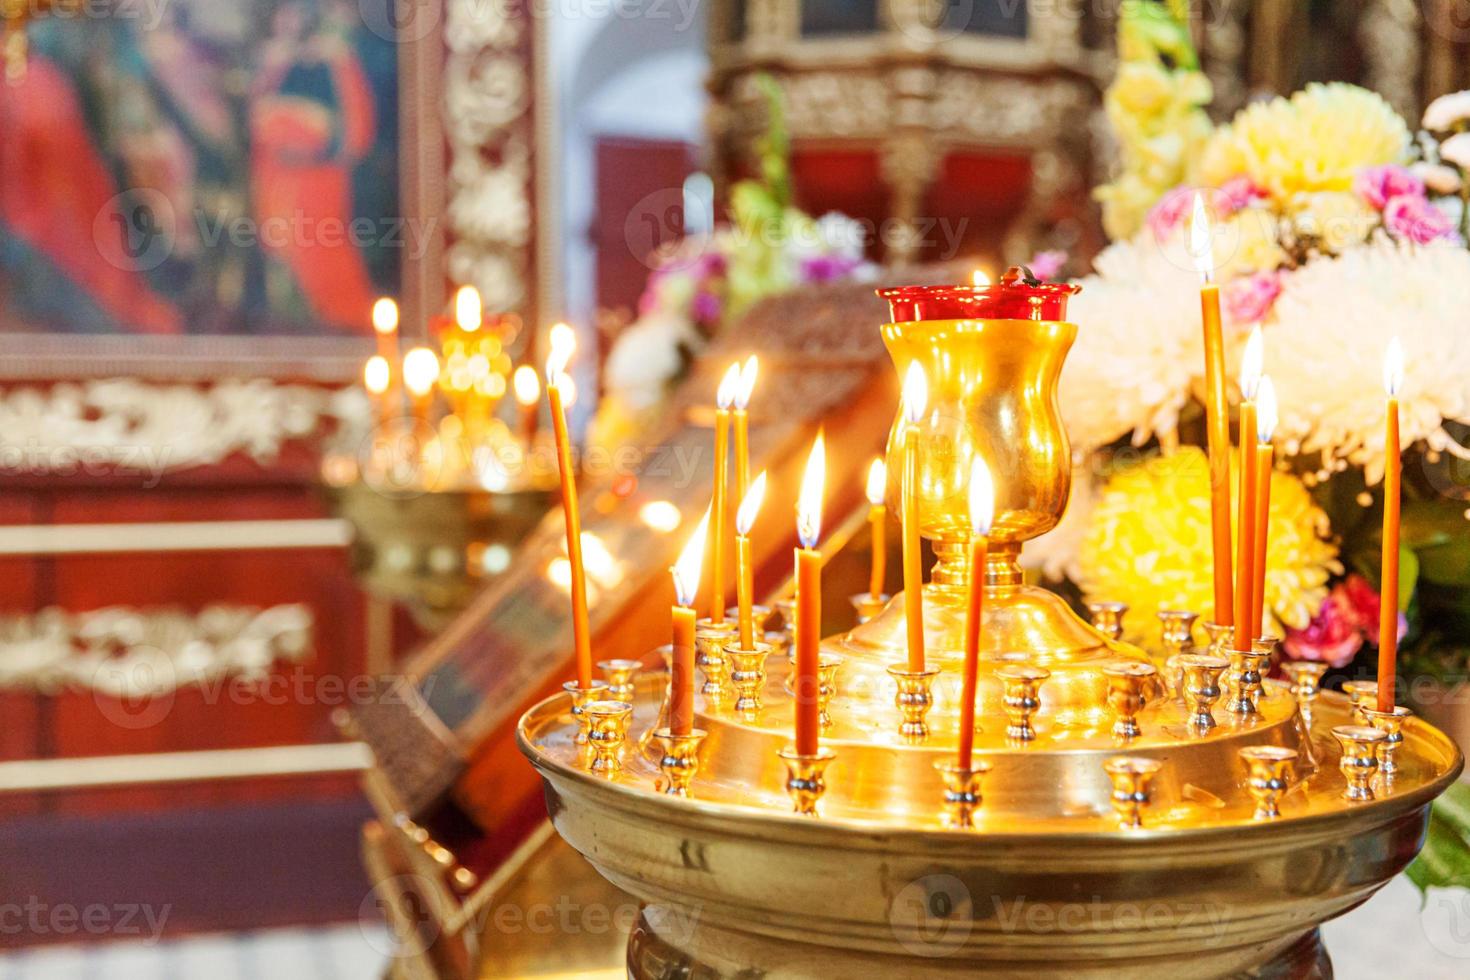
1239, 807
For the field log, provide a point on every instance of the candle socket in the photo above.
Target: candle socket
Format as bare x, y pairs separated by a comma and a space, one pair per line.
1128, 688
619, 675
1269, 777
1306, 680
581, 697
961, 792
1391, 724
867, 605
1363, 694
1244, 681
1359, 762
678, 759
748, 675
710, 640
806, 777
914, 698
1220, 638
786, 611
1202, 673
1131, 776
1107, 618
606, 732
826, 688
1021, 696
1176, 628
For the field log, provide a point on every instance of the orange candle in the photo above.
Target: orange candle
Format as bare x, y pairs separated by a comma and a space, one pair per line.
741, 419
724, 398
750, 506
555, 378
1217, 413
1388, 612
681, 666
982, 509
877, 521
527, 388
805, 685
1250, 376
377, 376
915, 398
1265, 428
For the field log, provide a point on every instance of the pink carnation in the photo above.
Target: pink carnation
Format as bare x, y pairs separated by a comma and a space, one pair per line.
1363, 604
1331, 637
1166, 215
1415, 219
1223, 201
1047, 265
1237, 193
1249, 298
1379, 185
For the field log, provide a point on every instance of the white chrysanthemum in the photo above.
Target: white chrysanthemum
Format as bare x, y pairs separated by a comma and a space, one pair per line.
1446, 111
1324, 350
1138, 343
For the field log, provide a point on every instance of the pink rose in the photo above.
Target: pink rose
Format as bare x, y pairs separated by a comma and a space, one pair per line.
1249, 298
1167, 215
1416, 220
1047, 265
1331, 637
1379, 185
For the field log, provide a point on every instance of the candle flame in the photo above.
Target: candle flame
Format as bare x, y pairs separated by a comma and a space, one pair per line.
982, 498
877, 482
1201, 240
376, 374
562, 337
1266, 413
751, 505
661, 515
385, 316
915, 393
527, 385
1393, 368
729, 387
420, 371
747, 382
1250, 364
468, 311
809, 502
978, 278
691, 560
556, 366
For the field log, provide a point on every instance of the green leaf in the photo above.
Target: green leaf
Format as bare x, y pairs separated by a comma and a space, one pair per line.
1445, 860
1447, 563
1408, 576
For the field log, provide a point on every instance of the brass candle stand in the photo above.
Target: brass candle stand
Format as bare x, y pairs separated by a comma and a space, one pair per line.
888, 863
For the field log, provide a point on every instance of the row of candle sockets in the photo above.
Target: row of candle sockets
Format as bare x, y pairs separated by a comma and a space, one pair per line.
1369, 746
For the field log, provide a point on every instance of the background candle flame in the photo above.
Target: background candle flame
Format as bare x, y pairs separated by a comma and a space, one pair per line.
469, 313
556, 365
1201, 240
915, 393
982, 498
750, 507
809, 501
562, 336
420, 371
686, 569
1251, 363
1393, 368
376, 375
385, 316
1265, 411
526, 384
729, 387
877, 482
746, 387
979, 278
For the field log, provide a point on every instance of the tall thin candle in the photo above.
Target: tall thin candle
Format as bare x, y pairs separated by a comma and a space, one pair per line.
724, 398
982, 512
877, 521
385, 325
1265, 428
420, 374
681, 665
915, 399
750, 506
555, 379
1388, 609
740, 417
1216, 410
1250, 377
527, 388
806, 684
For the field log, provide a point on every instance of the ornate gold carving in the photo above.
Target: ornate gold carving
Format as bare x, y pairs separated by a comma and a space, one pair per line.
134, 653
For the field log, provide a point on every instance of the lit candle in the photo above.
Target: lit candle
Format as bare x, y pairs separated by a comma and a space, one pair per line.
1216, 410
1265, 428
385, 325
750, 506
877, 519
469, 312
741, 419
979, 279
1250, 378
681, 666
805, 685
561, 337
420, 374
915, 398
982, 512
555, 380
724, 398
377, 375
528, 393
1388, 611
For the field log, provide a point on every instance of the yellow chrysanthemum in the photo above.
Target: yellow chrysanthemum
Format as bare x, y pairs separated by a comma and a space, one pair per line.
1314, 141
1149, 545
